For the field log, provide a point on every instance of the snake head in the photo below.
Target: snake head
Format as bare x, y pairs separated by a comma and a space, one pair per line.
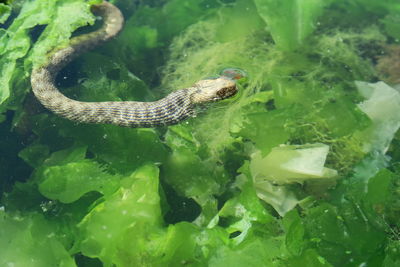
212, 90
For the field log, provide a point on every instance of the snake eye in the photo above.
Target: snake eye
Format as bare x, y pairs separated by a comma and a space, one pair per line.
221, 93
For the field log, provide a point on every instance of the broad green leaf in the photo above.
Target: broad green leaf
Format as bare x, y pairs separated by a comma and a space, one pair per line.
118, 229
290, 22
287, 164
31, 240
67, 183
295, 241
5, 12
381, 105
62, 19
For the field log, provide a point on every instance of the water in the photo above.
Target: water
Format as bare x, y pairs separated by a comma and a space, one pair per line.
243, 182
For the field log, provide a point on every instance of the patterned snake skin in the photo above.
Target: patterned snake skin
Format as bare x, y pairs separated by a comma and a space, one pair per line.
171, 109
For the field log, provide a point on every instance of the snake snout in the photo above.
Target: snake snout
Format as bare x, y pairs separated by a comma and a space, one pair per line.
227, 88
227, 92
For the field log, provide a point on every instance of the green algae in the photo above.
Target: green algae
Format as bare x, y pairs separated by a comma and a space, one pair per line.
100, 195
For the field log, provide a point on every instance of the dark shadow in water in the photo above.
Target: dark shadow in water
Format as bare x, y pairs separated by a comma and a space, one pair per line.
180, 208
83, 261
12, 167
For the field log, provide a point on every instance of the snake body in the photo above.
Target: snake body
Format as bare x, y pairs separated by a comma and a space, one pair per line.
171, 109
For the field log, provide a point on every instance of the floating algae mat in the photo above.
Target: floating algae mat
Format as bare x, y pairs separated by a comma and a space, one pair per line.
299, 168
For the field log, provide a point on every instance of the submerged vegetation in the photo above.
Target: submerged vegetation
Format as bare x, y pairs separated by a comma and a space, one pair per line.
301, 168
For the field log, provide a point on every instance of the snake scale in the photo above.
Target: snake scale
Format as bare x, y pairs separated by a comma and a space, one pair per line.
172, 109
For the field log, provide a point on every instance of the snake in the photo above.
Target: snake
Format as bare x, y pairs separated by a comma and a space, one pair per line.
172, 109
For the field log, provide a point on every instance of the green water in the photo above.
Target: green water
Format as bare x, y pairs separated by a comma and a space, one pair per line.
300, 168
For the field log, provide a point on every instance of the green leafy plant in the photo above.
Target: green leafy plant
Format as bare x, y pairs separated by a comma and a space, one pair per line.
300, 168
